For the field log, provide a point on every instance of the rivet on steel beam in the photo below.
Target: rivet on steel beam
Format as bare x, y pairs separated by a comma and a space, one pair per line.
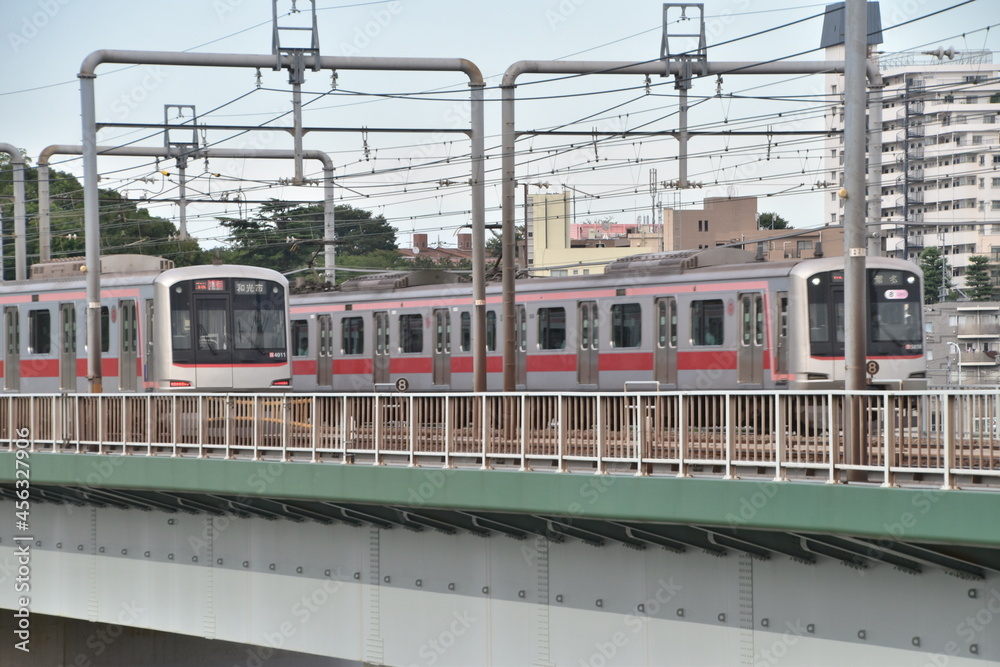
486, 590
386, 578
680, 612
722, 618
862, 634
194, 559
915, 641
974, 649
218, 561
973, 593
58, 545
641, 608
357, 575
246, 563
764, 623
520, 594
146, 554
298, 570
101, 549
170, 556
559, 598
326, 573
124, 552
38, 543
79, 547
811, 628
170, 522
600, 602
271, 566
451, 587
419, 582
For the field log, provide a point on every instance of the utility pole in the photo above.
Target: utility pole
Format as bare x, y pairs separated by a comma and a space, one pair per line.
855, 247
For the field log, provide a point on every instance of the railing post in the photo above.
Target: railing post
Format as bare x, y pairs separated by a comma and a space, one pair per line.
480, 402
523, 400
314, 430
560, 435
642, 433
601, 467
949, 444
377, 429
781, 429
447, 431
832, 432
682, 425
730, 432
889, 439
413, 432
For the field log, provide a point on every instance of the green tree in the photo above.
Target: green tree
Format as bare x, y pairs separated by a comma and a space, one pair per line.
125, 227
935, 268
977, 278
772, 221
285, 237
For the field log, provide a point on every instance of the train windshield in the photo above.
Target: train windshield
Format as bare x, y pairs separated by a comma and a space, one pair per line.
228, 321
895, 311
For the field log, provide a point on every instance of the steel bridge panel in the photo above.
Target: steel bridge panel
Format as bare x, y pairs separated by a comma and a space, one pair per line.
308, 611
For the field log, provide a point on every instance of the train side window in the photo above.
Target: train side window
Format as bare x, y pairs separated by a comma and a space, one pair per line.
300, 336
353, 335
491, 331
626, 325
551, 328
39, 331
707, 322
465, 333
105, 329
411, 333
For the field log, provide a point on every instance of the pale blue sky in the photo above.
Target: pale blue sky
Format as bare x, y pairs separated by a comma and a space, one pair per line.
44, 42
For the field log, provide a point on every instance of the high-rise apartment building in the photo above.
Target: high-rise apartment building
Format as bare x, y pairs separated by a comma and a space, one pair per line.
940, 155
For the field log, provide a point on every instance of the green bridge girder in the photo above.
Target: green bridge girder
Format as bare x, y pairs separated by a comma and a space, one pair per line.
910, 528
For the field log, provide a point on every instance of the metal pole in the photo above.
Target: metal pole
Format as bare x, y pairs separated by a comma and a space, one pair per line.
508, 235
478, 240
682, 139
873, 228
44, 214
855, 30
182, 194
297, 130
20, 217
92, 231
329, 225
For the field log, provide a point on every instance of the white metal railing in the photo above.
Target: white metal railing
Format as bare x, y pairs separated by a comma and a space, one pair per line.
945, 439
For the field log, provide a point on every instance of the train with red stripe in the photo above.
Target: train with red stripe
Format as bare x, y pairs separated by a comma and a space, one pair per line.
686, 320
198, 328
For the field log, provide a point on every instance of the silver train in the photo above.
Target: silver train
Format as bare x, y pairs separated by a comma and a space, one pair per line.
198, 328
712, 319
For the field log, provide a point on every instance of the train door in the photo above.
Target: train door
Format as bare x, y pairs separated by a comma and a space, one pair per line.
380, 365
587, 355
750, 349
665, 354
128, 338
149, 373
213, 354
324, 351
521, 347
442, 346
781, 343
12, 349
67, 346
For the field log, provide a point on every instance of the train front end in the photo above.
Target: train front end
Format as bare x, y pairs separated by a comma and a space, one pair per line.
220, 328
894, 332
